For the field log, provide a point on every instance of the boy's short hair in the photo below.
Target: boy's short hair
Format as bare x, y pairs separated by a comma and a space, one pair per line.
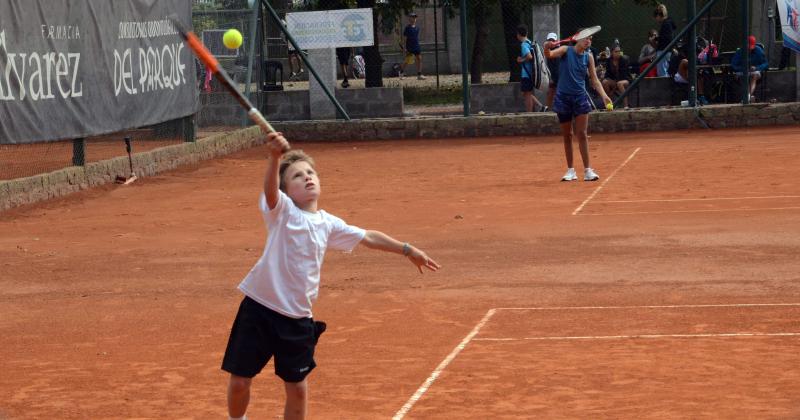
661, 10
290, 158
522, 30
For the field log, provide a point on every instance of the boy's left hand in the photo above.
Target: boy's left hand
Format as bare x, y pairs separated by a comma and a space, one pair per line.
421, 259
277, 144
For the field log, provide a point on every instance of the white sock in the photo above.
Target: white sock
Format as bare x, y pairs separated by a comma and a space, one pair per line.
244, 417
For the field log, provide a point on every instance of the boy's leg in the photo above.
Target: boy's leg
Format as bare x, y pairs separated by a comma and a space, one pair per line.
621, 86
754, 77
609, 86
566, 131
581, 125
238, 395
296, 400
551, 94
528, 97
419, 66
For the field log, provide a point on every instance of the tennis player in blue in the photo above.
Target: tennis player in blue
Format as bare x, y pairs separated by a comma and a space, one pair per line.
411, 47
572, 102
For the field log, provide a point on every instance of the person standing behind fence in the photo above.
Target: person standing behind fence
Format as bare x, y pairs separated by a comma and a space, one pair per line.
572, 100
411, 47
552, 65
648, 53
293, 58
664, 38
525, 61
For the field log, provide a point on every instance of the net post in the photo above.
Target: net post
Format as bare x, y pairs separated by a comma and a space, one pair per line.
79, 151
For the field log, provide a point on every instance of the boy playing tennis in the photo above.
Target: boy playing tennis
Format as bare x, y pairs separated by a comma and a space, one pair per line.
274, 319
572, 100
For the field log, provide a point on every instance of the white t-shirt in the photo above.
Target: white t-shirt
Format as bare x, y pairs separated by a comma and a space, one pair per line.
286, 277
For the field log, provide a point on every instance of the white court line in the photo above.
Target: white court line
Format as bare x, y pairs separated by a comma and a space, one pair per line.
597, 190
732, 149
719, 305
690, 211
471, 337
620, 337
436, 372
699, 199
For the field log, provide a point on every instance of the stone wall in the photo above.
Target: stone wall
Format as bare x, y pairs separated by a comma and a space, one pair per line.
293, 105
650, 92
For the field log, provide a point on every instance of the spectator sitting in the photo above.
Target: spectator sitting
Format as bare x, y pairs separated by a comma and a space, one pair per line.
617, 77
679, 69
758, 64
648, 53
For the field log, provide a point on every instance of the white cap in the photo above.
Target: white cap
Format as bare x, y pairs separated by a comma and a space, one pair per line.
552, 37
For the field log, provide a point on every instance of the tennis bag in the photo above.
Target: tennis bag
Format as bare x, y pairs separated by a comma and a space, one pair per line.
541, 73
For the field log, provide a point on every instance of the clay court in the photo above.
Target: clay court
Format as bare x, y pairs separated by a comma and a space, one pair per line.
668, 289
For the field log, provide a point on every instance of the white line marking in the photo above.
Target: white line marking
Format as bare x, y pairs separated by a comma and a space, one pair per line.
720, 305
597, 190
699, 199
436, 372
618, 337
731, 149
689, 211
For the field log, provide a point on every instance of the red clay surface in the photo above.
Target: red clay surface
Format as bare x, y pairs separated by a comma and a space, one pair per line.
117, 302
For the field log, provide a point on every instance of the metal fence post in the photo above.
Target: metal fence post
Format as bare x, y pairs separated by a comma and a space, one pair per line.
79, 152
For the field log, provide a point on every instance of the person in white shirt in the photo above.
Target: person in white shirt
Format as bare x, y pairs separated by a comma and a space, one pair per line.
275, 318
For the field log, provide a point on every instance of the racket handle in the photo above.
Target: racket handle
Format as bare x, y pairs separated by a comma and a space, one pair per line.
266, 127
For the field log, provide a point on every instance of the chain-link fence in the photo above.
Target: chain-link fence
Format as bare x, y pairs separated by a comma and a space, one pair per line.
491, 52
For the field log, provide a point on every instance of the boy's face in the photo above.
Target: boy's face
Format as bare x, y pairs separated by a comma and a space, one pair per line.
301, 182
584, 43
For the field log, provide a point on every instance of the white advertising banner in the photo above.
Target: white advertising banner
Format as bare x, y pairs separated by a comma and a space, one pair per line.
789, 11
331, 28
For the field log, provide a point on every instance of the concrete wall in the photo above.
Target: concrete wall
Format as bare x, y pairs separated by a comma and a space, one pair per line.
293, 105
651, 92
534, 124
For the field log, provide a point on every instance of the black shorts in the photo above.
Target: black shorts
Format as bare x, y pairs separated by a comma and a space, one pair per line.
343, 54
258, 333
526, 84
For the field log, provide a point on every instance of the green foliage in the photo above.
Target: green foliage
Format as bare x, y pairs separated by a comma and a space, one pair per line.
446, 95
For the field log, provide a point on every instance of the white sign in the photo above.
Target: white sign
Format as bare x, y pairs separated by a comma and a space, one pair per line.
789, 11
331, 28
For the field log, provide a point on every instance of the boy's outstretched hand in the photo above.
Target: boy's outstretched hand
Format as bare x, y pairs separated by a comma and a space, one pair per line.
277, 144
421, 259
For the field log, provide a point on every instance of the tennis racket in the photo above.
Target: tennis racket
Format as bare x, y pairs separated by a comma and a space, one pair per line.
583, 33
213, 66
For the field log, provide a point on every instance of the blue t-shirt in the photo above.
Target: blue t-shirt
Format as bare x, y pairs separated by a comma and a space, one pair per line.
412, 38
526, 66
572, 72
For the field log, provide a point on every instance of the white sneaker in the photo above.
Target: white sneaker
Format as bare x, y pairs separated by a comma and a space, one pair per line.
420, 77
570, 175
590, 175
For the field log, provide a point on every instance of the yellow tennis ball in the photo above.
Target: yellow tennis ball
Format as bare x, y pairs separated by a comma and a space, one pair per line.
610, 106
232, 39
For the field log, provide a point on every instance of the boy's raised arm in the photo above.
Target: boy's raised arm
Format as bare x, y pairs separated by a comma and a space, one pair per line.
276, 144
381, 241
554, 53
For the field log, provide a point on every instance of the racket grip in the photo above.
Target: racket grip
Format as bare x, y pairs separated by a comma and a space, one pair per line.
266, 127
